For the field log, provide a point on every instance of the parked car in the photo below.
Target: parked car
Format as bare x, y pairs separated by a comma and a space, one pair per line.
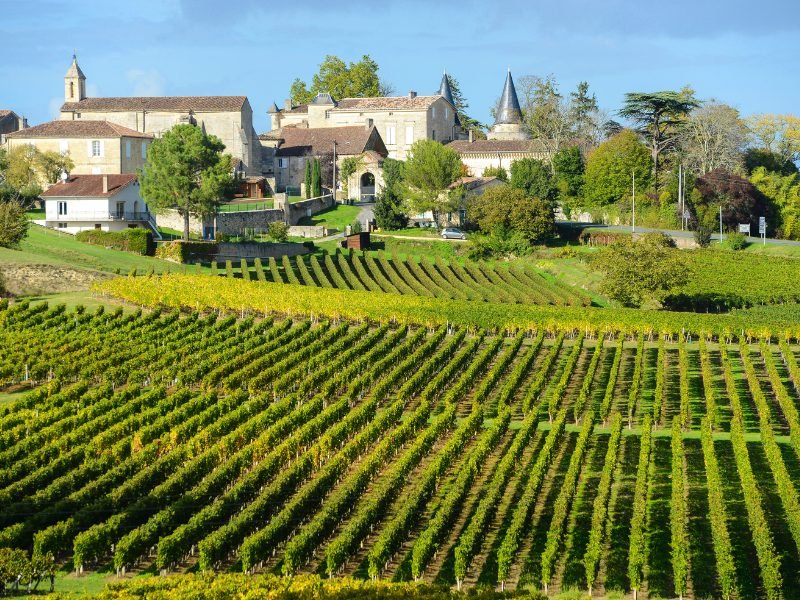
451, 233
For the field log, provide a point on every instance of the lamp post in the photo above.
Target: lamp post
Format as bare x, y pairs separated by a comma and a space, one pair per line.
633, 221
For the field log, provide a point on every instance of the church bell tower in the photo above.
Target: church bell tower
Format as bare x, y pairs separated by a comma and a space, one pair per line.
74, 82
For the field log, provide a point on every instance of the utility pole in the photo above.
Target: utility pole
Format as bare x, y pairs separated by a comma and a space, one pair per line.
633, 221
680, 193
720, 223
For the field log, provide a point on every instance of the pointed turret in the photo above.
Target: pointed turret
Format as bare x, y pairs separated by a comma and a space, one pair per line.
508, 111
444, 89
74, 82
273, 109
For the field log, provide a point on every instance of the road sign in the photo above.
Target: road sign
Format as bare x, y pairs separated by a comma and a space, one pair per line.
762, 225
744, 228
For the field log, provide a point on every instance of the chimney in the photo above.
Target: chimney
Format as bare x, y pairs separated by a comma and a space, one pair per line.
471, 136
105, 184
412, 94
287, 105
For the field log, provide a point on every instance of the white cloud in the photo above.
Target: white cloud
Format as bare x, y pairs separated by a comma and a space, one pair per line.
146, 82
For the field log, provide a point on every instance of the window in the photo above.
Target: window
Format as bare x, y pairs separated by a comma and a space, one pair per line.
390, 135
77, 115
433, 134
71, 90
370, 122
95, 148
98, 226
128, 149
62, 225
120, 210
144, 150
446, 112
327, 114
433, 112
409, 134
283, 163
62, 208
63, 146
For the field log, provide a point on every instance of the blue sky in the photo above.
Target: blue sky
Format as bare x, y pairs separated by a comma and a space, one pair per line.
741, 53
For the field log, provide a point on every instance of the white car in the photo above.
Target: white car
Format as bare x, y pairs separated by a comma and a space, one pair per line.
451, 233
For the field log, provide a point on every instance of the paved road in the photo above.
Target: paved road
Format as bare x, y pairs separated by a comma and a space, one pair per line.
686, 234
417, 237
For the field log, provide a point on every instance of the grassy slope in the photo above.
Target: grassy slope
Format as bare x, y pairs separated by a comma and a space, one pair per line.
337, 217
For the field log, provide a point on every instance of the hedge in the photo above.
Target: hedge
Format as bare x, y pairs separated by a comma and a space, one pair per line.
137, 240
184, 252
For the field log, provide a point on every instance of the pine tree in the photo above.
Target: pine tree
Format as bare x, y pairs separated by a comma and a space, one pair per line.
316, 179
308, 179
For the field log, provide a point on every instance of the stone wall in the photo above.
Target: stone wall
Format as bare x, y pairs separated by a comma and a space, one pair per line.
172, 220
308, 231
232, 223
235, 251
304, 208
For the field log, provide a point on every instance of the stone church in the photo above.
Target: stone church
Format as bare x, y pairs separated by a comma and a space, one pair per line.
230, 118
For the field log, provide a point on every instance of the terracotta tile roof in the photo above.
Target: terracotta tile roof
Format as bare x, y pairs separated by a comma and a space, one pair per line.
483, 146
299, 141
166, 103
80, 128
4, 112
81, 186
300, 108
387, 103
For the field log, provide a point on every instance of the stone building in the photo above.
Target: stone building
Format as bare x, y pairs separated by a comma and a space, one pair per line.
230, 118
95, 147
400, 120
507, 140
10, 122
292, 147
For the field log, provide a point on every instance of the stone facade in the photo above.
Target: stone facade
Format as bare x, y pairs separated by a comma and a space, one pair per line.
10, 122
478, 155
230, 118
239, 250
234, 223
95, 147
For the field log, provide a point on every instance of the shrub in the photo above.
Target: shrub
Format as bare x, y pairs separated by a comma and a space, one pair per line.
137, 241
278, 231
736, 241
13, 224
183, 252
702, 236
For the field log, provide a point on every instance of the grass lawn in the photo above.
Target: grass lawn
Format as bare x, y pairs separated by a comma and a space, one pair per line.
773, 250
45, 246
337, 217
263, 204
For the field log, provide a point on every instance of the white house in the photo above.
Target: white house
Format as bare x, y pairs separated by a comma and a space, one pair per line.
106, 202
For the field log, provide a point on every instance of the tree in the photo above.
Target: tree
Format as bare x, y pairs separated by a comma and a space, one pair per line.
783, 191
51, 164
498, 172
610, 166
308, 180
461, 104
714, 137
341, 80
505, 208
534, 178
568, 168
643, 271
659, 116
740, 200
21, 179
585, 116
13, 224
316, 179
388, 208
779, 134
186, 171
759, 157
545, 113
429, 171
278, 231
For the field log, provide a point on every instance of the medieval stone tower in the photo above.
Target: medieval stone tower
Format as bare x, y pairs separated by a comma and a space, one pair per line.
508, 122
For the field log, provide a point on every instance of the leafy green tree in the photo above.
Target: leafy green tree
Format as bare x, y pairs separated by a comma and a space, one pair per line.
783, 191
505, 208
186, 171
772, 162
568, 171
545, 113
20, 175
610, 166
534, 178
429, 171
341, 80
498, 172
779, 134
388, 208
51, 164
643, 271
13, 224
659, 116
308, 178
278, 231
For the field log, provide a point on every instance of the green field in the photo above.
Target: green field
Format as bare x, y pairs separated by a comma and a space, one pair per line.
449, 455
335, 218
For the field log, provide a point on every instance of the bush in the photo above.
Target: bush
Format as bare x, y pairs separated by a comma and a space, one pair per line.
355, 227
13, 224
736, 241
278, 231
137, 241
183, 252
702, 236
659, 239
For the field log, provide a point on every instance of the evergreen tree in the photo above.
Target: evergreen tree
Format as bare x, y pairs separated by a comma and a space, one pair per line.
308, 178
316, 179
388, 209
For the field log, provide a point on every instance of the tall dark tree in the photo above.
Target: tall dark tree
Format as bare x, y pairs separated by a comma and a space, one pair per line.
187, 171
583, 113
316, 179
461, 104
534, 178
388, 209
308, 181
568, 168
658, 116
741, 201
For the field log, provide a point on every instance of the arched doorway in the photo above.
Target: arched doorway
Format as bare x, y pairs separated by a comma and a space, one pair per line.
367, 185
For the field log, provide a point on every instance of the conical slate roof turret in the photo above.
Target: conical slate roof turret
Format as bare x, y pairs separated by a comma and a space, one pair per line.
273, 109
508, 110
444, 89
